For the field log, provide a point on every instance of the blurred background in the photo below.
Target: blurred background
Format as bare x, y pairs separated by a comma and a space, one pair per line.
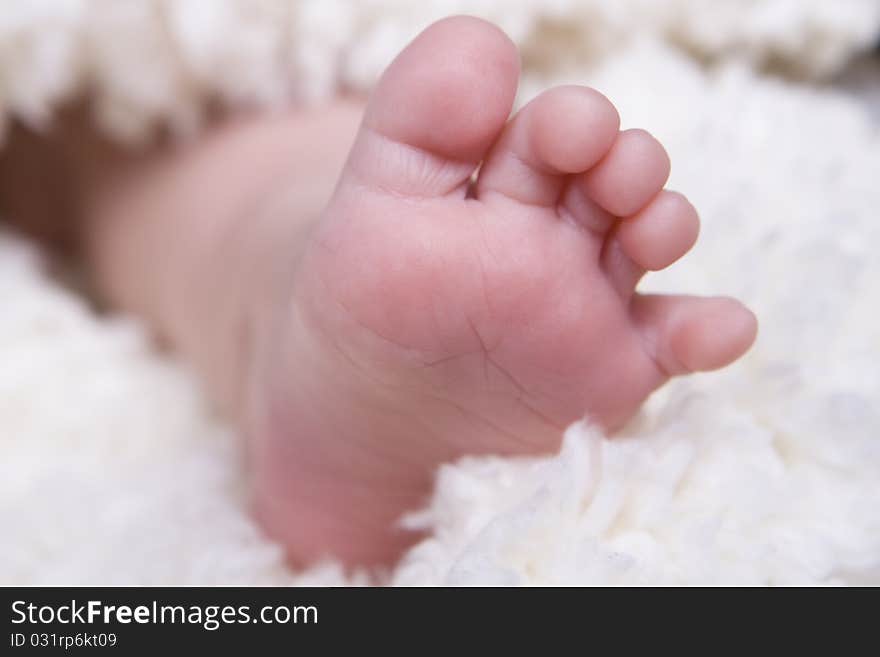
113, 469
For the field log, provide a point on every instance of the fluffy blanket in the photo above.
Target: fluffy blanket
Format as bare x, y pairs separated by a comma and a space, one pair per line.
114, 471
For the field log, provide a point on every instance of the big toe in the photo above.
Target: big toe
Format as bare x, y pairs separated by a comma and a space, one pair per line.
438, 108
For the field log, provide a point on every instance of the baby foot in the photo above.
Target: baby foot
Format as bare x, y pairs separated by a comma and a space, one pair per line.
433, 314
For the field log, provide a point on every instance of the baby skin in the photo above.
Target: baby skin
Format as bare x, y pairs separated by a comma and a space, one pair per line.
468, 286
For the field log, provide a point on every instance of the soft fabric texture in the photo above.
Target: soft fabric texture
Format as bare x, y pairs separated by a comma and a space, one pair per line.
150, 61
114, 471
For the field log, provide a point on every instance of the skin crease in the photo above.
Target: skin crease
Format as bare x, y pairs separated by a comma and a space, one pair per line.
365, 312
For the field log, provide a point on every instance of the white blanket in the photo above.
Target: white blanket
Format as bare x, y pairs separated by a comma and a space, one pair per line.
113, 471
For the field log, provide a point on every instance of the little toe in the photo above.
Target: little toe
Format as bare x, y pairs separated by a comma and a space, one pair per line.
563, 131
686, 334
661, 232
631, 174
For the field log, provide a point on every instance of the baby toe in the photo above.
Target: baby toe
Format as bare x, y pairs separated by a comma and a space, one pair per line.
563, 131
686, 334
631, 174
661, 232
